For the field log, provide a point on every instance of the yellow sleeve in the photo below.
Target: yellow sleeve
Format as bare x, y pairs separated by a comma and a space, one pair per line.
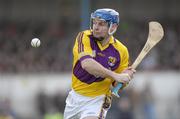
82, 46
124, 55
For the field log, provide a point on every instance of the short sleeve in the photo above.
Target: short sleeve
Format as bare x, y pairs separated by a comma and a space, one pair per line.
82, 48
124, 56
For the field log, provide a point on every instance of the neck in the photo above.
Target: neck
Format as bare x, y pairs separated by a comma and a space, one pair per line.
105, 41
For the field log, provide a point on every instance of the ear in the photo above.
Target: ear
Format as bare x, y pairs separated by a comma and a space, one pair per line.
113, 28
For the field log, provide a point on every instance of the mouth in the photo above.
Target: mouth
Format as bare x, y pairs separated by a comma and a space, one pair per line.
96, 34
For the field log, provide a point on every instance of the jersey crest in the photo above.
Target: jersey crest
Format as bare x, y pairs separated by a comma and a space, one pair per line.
112, 61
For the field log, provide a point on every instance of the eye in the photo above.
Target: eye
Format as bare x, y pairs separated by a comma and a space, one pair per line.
102, 23
94, 22
99, 22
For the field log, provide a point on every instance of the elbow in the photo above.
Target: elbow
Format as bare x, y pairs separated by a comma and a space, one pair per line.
85, 64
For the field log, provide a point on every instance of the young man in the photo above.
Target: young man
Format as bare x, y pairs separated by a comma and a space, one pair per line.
99, 61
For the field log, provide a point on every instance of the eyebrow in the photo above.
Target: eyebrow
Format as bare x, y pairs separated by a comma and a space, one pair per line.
100, 21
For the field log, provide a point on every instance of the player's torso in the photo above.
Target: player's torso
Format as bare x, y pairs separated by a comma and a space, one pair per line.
89, 85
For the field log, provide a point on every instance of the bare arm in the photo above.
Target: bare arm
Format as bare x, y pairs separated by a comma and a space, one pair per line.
96, 69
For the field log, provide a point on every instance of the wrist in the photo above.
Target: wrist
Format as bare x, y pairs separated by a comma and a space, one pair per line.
110, 74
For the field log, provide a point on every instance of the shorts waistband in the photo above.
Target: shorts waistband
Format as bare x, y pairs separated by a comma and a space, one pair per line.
74, 93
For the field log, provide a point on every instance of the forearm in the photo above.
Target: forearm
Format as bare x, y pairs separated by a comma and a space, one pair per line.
95, 68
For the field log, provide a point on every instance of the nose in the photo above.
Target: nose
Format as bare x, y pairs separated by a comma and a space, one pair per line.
96, 27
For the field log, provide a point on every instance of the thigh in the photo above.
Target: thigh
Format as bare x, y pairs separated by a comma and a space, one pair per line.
96, 108
72, 108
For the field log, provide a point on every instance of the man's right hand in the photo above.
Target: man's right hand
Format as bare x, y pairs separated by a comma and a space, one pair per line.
125, 76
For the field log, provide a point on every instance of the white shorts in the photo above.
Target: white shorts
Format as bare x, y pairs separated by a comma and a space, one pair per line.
79, 107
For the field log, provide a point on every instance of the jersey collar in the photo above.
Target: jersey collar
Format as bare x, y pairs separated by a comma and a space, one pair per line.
111, 41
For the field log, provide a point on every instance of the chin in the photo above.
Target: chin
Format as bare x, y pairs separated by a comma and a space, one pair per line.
99, 38
96, 36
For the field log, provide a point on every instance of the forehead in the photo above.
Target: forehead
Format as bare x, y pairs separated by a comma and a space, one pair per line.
99, 20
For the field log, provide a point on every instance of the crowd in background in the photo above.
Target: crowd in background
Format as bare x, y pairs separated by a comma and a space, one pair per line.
17, 54
55, 52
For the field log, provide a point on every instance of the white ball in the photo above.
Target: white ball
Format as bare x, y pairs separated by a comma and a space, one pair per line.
35, 42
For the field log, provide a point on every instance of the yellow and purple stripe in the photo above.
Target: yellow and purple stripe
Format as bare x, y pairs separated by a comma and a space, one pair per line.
80, 44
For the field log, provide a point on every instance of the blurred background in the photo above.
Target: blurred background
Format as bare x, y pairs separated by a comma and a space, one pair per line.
34, 82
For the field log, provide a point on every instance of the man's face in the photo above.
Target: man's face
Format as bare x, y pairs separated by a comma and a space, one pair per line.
100, 28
